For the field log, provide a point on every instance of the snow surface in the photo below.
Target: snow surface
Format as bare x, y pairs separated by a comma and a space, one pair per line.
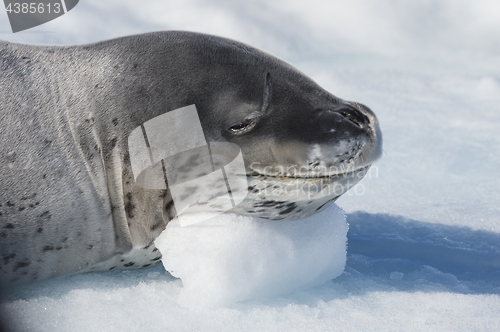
424, 238
231, 258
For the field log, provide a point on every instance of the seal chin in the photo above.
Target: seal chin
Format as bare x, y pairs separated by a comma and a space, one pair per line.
292, 198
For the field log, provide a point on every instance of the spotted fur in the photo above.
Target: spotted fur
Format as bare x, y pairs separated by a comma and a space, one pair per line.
68, 199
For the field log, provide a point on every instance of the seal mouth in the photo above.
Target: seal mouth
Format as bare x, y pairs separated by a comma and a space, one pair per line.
318, 176
293, 198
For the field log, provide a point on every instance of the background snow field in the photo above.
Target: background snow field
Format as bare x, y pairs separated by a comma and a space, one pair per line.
423, 247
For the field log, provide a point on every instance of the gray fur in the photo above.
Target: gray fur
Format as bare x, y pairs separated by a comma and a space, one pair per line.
68, 201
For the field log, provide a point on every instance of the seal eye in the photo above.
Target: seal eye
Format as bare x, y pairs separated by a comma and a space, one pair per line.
243, 127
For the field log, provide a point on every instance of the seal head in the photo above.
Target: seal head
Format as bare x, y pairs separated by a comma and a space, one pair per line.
303, 147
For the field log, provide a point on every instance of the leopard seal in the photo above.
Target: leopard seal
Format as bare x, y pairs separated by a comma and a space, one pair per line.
68, 199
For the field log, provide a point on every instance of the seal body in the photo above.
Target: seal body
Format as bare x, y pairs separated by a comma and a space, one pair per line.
68, 200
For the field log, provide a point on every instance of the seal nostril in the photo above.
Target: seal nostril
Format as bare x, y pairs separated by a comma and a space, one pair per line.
350, 118
333, 119
355, 116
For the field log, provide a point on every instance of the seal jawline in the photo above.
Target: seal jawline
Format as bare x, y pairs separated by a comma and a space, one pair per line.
320, 176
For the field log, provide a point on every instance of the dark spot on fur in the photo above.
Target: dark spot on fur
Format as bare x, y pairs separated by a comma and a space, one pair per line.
59, 248
129, 264
289, 209
21, 208
319, 208
111, 268
146, 265
169, 205
90, 247
10, 204
65, 239
45, 214
268, 203
122, 260
9, 226
157, 258
113, 141
115, 121
7, 258
135, 64
20, 265
39, 230
44, 176
146, 247
47, 248
155, 249
129, 207
158, 224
